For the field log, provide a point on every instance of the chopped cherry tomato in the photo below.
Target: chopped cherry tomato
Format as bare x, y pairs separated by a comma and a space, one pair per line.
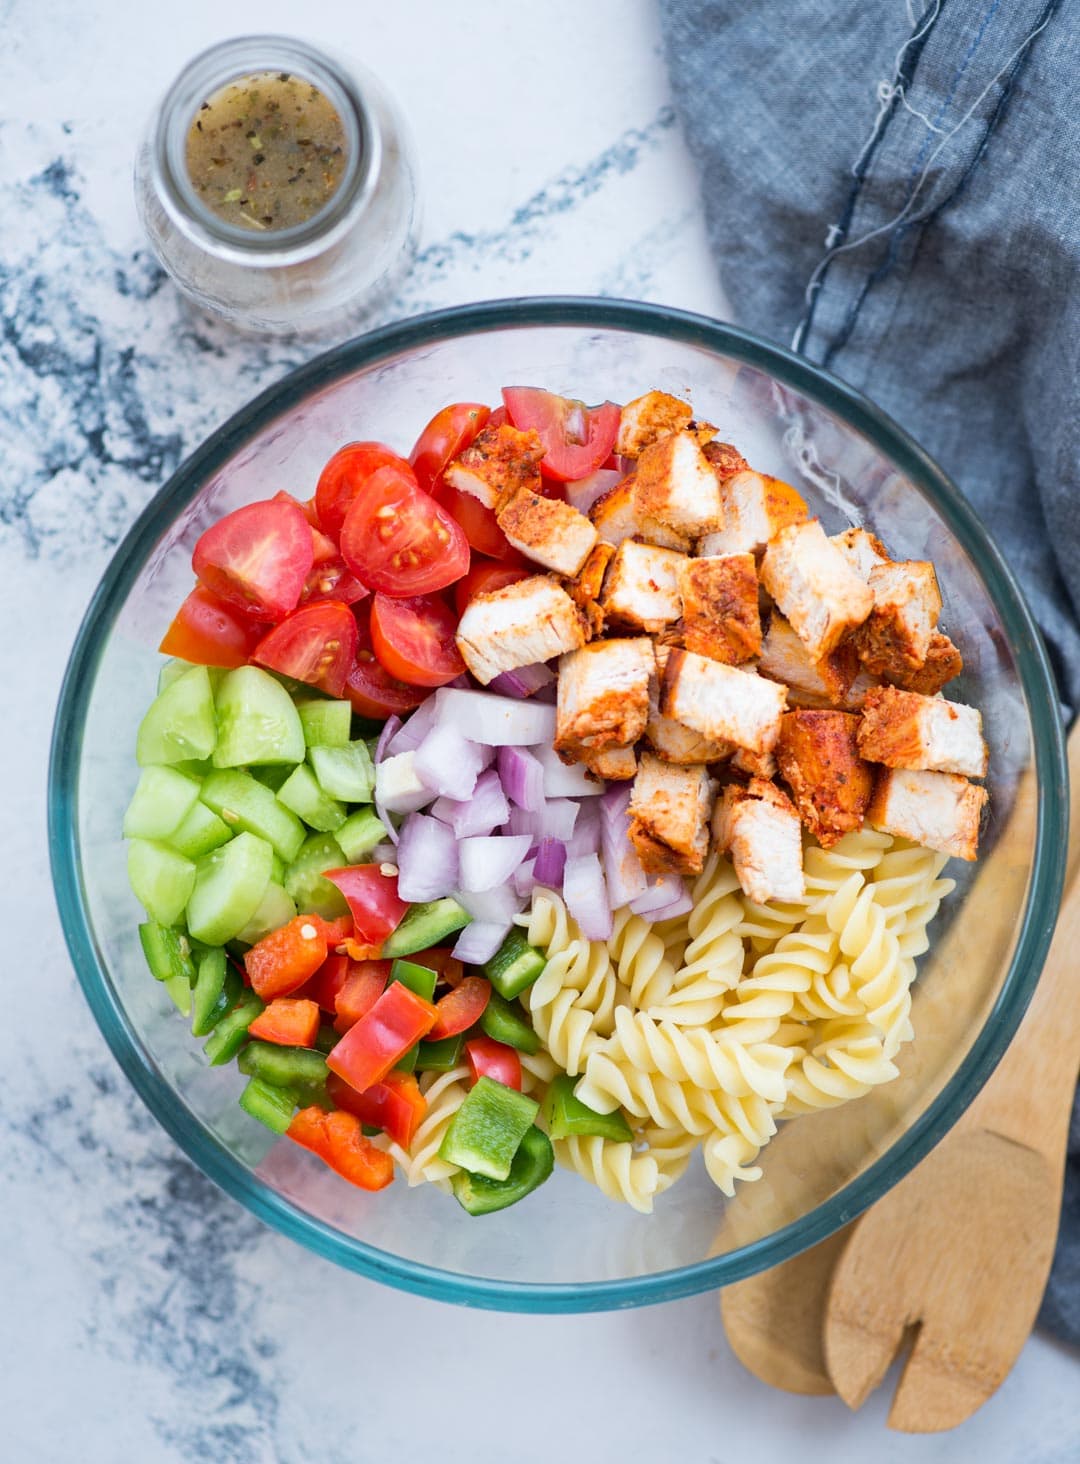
344, 478
399, 540
576, 438
414, 639
305, 505
499, 417
211, 633
444, 438
373, 691
257, 558
291, 1021
442, 960
485, 576
478, 523
396, 1105
362, 988
491, 1059
315, 644
338, 1139
328, 980
460, 1008
331, 580
282, 961
373, 900
381, 1037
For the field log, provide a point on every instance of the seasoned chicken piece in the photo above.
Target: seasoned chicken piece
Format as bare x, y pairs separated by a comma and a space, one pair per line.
498, 462
671, 740
759, 827
669, 822
720, 607
818, 592
616, 764
725, 460
586, 587
603, 695
943, 662
907, 603
825, 683
939, 810
641, 586
754, 764
755, 510
648, 417
854, 698
862, 550
905, 730
675, 485
820, 763
547, 530
617, 518
722, 702
518, 625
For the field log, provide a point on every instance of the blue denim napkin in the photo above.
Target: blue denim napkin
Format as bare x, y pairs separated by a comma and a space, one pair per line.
896, 192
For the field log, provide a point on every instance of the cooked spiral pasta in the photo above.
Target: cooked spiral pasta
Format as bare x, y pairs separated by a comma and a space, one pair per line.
761, 1001
827, 869
614, 1168
640, 959
881, 976
845, 1064
907, 887
712, 960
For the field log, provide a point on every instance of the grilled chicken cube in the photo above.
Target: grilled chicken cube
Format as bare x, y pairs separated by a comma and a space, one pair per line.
943, 662
862, 550
756, 508
854, 698
616, 517
903, 729
818, 592
585, 589
939, 810
671, 740
641, 587
830, 783
675, 485
724, 703
603, 695
907, 603
725, 460
547, 530
669, 816
533, 620
720, 607
649, 417
616, 764
754, 764
825, 683
759, 827
498, 462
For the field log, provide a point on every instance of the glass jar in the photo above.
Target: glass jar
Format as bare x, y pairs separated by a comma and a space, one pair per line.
314, 276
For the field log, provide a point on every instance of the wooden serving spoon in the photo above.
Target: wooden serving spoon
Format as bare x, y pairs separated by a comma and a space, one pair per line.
982, 1207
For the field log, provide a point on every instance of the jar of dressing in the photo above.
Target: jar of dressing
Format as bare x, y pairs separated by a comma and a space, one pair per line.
277, 187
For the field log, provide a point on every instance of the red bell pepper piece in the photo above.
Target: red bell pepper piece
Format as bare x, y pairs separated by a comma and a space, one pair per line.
491, 1059
282, 961
326, 983
339, 1141
337, 931
373, 900
442, 959
372, 1046
396, 1105
363, 986
460, 1008
289, 1021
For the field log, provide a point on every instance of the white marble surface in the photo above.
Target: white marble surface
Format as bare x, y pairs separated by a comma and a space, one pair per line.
146, 1317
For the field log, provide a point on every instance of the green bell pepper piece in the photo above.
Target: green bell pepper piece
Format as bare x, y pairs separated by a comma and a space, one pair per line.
531, 1166
217, 990
484, 1134
566, 1116
420, 979
505, 1023
271, 1106
230, 1034
167, 951
440, 1057
514, 966
299, 1070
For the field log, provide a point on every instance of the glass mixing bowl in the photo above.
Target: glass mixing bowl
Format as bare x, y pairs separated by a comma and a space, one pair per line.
568, 1248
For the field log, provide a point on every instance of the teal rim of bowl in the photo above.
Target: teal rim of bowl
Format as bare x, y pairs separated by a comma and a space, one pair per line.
1039, 916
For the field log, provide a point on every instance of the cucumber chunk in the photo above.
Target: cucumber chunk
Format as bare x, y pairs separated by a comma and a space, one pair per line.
325, 723
173, 670
217, 990
344, 772
272, 777
180, 722
229, 884
161, 801
276, 908
200, 832
161, 878
271, 1106
424, 926
303, 878
247, 806
359, 834
514, 966
257, 721
302, 794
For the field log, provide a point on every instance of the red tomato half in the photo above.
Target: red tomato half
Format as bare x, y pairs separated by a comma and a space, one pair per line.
477, 523
371, 689
316, 644
399, 540
414, 639
345, 476
499, 417
210, 633
372, 898
444, 438
331, 580
485, 576
257, 558
576, 438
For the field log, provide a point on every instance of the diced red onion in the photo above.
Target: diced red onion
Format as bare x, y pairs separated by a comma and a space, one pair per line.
497, 721
484, 811
411, 733
384, 818
622, 868
585, 838
550, 863
586, 896
555, 819
398, 787
561, 781
479, 941
615, 801
584, 493
523, 681
663, 889
493, 907
384, 853
427, 859
522, 777
524, 878
448, 763
682, 906
391, 727
488, 861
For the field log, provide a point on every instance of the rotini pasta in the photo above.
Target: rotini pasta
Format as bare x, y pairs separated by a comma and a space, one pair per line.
712, 959
445, 1093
